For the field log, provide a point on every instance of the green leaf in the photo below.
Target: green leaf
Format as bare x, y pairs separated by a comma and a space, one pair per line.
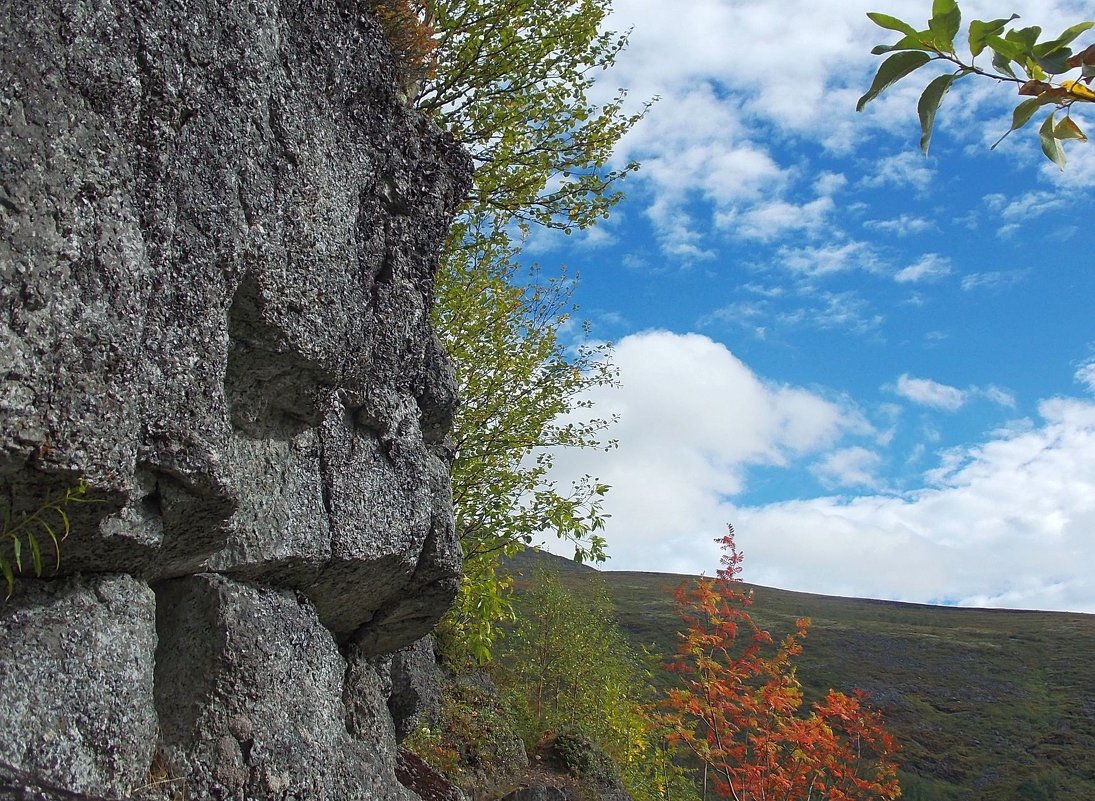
981, 31
914, 42
891, 23
1051, 47
35, 553
9, 577
1034, 70
1050, 146
1056, 62
17, 550
65, 522
1001, 62
1007, 48
929, 105
944, 24
890, 72
1021, 116
1025, 38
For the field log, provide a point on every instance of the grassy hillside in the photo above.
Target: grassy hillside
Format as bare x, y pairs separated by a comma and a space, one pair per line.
991, 705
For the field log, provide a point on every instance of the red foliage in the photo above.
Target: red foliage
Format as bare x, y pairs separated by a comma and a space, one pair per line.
739, 710
410, 35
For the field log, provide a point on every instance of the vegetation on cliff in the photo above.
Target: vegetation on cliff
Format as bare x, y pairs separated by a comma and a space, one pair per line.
512, 80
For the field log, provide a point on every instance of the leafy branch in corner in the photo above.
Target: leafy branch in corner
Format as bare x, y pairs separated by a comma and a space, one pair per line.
27, 532
1019, 57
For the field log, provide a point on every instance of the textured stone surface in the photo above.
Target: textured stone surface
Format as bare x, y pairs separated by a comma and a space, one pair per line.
415, 698
537, 791
76, 682
218, 231
429, 785
250, 695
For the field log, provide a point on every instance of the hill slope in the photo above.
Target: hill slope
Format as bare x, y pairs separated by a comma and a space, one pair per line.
992, 705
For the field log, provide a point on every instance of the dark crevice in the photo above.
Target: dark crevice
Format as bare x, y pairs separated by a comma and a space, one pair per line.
152, 503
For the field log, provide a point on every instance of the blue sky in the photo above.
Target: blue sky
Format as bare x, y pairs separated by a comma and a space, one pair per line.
879, 366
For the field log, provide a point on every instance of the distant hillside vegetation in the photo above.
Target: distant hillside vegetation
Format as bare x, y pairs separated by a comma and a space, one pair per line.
988, 705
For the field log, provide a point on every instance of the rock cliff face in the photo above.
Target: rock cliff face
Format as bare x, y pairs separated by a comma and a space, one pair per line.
218, 231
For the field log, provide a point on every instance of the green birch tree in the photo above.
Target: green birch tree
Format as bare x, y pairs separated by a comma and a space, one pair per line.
513, 81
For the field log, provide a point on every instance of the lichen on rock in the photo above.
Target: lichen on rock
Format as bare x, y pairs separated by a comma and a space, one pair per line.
218, 232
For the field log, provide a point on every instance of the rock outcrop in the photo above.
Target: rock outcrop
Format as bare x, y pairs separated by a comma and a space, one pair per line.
218, 232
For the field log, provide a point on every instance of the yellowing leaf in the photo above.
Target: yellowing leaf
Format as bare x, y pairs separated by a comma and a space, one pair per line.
1079, 90
1067, 129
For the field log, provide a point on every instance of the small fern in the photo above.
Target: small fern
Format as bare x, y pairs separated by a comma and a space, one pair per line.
32, 527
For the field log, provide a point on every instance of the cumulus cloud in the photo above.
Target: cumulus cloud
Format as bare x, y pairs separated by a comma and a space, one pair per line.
737, 83
818, 260
752, 107
1026, 206
1008, 525
904, 169
801, 308
1003, 523
693, 418
776, 219
925, 392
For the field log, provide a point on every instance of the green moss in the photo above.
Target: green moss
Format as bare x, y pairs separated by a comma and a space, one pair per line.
475, 743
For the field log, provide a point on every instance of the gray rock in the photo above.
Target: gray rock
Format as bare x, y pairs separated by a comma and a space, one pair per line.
428, 784
218, 232
416, 687
76, 695
250, 695
218, 241
538, 791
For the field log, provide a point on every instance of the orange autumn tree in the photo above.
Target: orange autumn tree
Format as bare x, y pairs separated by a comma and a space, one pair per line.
740, 709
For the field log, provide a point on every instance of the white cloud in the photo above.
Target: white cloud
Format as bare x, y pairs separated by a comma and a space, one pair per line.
849, 467
998, 396
926, 392
1027, 206
905, 169
748, 100
1007, 522
1085, 374
814, 261
928, 267
903, 225
1009, 526
692, 420
994, 280
1080, 172
776, 219
805, 308
835, 310
829, 183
